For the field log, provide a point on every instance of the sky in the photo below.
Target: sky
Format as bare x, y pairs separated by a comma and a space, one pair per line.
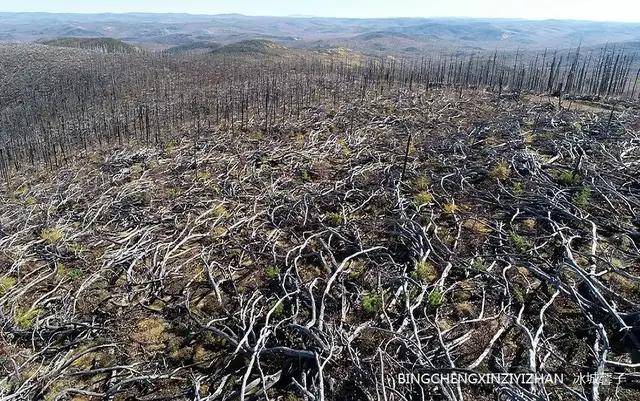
598, 10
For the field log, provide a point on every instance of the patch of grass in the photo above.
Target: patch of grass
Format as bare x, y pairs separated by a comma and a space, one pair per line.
219, 231
6, 283
412, 149
136, 169
465, 309
518, 295
623, 283
334, 219
450, 208
291, 397
170, 146
57, 387
527, 137
141, 198
423, 197
172, 193
356, 269
582, 197
299, 138
61, 269
479, 264
421, 183
73, 274
256, 136
26, 319
278, 312
271, 272
202, 175
76, 248
344, 147
577, 127
518, 188
501, 171
476, 226
220, 211
529, 224
519, 242
149, 331
371, 302
425, 271
51, 235
21, 191
86, 360
214, 188
464, 292
617, 263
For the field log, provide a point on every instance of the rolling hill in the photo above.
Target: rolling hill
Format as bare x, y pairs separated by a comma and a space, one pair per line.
107, 45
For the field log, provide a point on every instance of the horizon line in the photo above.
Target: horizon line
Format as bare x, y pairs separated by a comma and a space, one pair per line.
296, 16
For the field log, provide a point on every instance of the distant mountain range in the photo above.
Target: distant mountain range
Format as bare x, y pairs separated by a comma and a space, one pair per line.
405, 36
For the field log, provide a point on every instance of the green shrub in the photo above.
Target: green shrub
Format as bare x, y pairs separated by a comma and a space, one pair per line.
479, 264
75, 274
582, 197
518, 241
568, 178
371, 302
435, 299
272, 272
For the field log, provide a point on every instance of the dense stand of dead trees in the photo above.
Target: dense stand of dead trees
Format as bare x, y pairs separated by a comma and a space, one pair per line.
91, 99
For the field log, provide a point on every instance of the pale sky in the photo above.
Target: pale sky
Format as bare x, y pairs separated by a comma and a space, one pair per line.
599, 10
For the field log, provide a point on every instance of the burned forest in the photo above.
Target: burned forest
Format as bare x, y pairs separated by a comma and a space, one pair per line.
256, 222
